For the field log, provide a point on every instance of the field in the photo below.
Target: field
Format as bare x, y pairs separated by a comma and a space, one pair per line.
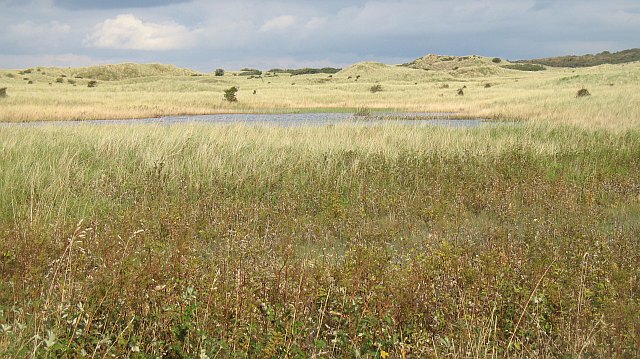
384, 241
490, 91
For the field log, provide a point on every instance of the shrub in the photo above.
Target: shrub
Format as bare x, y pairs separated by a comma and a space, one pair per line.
444, 86
376, 88
3, 92
583, 92
71, 81
92, 83
250, 72
10, 76
59, 80
496, 60
524, 67
487, 85
30, 82
460, 92
219, 72
230, 94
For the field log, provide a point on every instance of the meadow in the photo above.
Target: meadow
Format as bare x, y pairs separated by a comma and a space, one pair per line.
136, 91
382, 241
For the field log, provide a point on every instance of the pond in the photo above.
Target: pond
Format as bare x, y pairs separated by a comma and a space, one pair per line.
294, 119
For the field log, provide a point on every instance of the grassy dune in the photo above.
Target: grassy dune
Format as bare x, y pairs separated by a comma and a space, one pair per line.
336, 241
490, 91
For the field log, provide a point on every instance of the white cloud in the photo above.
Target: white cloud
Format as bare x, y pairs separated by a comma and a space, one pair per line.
128, 32
278, 23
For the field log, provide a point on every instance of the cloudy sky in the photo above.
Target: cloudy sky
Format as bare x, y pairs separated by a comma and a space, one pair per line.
205, 35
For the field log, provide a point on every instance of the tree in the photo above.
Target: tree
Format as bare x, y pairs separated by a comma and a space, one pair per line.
230, 94
219, 72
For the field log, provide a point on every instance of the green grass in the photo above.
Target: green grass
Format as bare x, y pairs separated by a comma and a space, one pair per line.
334, 241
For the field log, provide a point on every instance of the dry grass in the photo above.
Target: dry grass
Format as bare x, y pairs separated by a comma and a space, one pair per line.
545, 96
335, 241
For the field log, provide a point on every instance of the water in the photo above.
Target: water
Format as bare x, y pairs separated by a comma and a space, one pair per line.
291, 119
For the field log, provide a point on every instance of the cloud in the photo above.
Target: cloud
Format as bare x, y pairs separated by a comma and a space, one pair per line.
127, 32
114, 4
31, 29
278, 23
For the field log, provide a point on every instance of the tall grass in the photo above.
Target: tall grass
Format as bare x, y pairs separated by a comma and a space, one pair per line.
545, 96
337, 241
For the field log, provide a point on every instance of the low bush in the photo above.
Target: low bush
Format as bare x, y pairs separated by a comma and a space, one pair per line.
92, 83
59, 80
219, 72
524, 67
376, 88
583, 92
3, 92
250, 72
496, 60
230, 94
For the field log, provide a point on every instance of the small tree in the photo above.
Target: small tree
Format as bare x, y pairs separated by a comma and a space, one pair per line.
219, 72
496, 60
230, 94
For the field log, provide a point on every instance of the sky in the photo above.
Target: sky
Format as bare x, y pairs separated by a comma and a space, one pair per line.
264, 34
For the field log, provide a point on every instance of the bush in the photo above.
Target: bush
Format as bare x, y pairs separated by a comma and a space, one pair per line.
250, 72
496, 60
92, 83
10, 75
3, 92
59, 80
460, 92
219, 72
487, 85
376, 88
71, 81
524, 67
230, 94
583, 92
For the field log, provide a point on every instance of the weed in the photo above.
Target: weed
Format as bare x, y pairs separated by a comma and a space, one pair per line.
375, 88
92, 83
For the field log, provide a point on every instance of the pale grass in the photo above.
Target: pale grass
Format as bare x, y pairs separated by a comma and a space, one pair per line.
545, 96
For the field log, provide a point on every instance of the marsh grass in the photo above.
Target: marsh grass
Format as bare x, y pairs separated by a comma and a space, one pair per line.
543, 96
336, 241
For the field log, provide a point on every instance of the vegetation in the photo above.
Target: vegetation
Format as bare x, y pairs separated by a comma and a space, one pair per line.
250, 72
543, 96
230, 94
306, 71
338, 241
219, 72
3, 92
604, 57
583, 92
375, 88
92, 83
496, 60
524, 67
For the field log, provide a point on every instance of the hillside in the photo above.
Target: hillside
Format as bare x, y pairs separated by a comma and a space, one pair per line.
129, 70
588, 60
472, 65
376, 71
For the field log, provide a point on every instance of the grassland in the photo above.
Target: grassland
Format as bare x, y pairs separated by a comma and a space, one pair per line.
379, 241
544, 96
336, 241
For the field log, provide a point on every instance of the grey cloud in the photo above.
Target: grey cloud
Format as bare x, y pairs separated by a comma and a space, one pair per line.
114, 4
